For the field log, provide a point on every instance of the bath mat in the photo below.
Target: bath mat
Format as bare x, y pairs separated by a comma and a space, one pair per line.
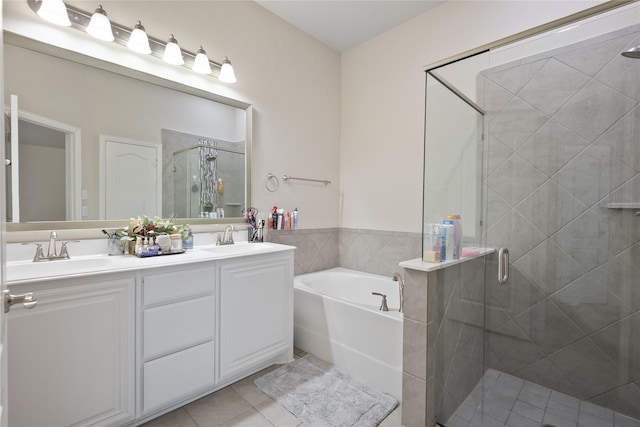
321, 396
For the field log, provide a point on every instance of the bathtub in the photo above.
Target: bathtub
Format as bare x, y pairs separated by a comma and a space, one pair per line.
338, 320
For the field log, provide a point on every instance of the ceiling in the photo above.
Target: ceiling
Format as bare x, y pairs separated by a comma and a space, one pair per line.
342, 24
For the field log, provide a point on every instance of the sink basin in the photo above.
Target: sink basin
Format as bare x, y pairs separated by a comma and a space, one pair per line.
24, 270
237, 249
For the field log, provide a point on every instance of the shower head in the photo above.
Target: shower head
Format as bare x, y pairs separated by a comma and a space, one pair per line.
634, 52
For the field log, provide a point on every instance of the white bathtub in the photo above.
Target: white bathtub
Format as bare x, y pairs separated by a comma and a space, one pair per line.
338, 320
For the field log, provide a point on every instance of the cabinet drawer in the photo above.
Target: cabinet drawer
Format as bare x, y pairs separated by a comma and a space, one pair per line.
177, 376
165, 287
176, 326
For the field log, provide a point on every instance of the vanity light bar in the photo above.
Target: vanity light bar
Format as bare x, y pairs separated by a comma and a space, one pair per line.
80, 20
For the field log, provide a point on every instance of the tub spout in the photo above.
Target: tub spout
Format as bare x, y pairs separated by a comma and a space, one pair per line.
383, 306
398, 278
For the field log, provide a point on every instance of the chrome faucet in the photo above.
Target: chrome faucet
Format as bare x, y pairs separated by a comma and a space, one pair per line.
227, 238
398, 278
383, 304
52, 252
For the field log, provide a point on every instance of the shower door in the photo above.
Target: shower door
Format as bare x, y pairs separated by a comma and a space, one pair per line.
453, 161
563, 193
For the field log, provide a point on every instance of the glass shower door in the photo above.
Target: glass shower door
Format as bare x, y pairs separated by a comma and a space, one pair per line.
452, 185
563, 193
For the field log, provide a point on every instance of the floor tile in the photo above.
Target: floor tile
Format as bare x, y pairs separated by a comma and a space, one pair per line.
250, 418
217, 408
512, 402
177, 418
277, 415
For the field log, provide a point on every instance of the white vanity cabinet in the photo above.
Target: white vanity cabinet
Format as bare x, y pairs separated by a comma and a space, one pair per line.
178, 315
120, 348
256, 313
71, 359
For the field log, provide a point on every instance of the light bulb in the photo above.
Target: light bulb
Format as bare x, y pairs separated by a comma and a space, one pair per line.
138, 41
100, 26
172, 52
55, 12
201, 62
227, 74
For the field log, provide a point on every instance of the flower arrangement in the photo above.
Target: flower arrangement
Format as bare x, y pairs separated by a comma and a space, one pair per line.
145, 226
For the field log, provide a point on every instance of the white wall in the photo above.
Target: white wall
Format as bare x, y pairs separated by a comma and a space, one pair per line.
382, 126
356, 120
292, 81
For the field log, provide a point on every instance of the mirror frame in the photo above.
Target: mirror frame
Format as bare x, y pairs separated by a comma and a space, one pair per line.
38, 46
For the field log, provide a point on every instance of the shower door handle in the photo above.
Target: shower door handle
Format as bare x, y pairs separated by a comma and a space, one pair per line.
503, 265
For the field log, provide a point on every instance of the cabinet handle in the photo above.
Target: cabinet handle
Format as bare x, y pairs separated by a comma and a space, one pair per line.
27, 300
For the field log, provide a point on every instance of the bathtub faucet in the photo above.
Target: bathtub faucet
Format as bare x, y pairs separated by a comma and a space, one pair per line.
398, 278
383, 306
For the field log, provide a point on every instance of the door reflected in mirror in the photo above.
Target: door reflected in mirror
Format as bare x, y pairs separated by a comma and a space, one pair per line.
42, 166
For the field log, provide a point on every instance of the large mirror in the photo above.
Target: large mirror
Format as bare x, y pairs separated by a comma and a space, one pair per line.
93, 144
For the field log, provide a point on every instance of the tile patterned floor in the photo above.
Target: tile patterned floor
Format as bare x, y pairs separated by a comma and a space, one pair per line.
513, 402
241, 404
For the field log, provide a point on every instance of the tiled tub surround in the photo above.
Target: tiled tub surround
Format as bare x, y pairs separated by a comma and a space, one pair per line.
316, 249
377, 252
371, 251
563, 143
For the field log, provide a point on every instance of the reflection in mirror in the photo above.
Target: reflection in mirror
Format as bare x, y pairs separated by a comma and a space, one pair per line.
41, 172
202, 177
99, 103
43, 161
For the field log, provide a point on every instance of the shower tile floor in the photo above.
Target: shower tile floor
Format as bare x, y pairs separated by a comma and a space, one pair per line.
513, 402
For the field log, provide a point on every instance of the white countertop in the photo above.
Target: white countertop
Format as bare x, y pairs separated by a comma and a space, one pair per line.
23, 271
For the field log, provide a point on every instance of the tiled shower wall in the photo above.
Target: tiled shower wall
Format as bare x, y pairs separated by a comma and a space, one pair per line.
564, 142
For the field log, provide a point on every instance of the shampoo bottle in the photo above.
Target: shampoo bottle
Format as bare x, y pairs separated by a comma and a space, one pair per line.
457, 234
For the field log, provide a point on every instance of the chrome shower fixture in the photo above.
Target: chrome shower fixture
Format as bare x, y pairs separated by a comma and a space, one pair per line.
634, 52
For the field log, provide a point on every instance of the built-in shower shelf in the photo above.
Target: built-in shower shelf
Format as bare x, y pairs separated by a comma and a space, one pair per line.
623, 205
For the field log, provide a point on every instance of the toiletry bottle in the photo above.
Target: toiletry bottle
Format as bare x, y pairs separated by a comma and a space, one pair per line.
145, 247
457, 234
279, 219
294, 219
273, 221
430, 244
138, 247
187, 242
449, 235
442, 233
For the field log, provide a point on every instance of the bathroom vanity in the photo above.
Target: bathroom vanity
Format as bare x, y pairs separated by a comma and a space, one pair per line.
120, 340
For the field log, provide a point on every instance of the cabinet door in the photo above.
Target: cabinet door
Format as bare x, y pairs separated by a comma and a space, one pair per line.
256, 312
71, 358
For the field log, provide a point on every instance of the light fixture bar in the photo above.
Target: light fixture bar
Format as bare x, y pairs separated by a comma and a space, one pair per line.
80, 19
